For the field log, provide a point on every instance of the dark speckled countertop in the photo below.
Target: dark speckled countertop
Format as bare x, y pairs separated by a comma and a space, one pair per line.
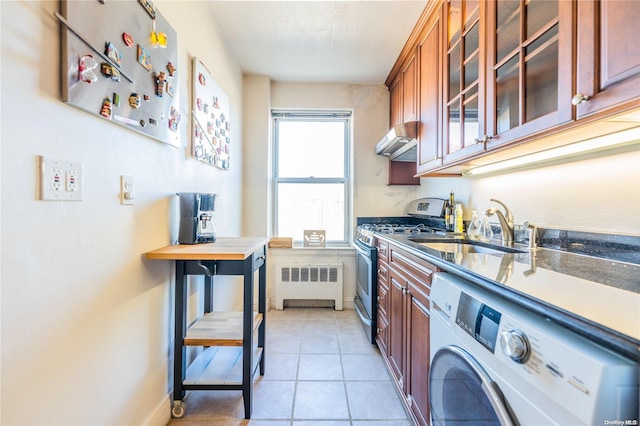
596, 297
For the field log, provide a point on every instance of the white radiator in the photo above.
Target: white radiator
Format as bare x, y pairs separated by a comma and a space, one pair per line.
309, 282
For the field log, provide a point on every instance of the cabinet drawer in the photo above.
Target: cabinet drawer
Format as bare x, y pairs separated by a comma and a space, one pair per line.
383, 301
383, 251
412, 266
383, 273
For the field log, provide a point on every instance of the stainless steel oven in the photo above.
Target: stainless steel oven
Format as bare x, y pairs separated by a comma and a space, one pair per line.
366, 287
423, 215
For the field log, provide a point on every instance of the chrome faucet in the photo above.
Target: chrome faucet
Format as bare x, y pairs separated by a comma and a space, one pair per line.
506, 223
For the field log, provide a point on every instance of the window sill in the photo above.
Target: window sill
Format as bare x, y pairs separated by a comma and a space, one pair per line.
327, 248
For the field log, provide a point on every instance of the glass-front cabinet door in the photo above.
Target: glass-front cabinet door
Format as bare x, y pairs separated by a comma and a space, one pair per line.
464, 88
529, 67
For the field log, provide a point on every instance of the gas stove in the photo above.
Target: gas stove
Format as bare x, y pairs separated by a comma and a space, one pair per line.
425, 215
365, 231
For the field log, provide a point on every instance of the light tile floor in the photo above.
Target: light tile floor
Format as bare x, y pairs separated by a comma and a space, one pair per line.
320, 371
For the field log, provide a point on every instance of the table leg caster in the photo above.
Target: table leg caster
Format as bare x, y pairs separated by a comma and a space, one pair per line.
178, 409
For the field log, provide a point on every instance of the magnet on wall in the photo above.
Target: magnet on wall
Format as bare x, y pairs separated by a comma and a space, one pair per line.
153, 121
106, 108
171, 69
201, 79
146, 98
160, 80
113, 53
149, 7
116, 99
110, 71
134, 100
86, 65
171, 91
128, 40
144, 58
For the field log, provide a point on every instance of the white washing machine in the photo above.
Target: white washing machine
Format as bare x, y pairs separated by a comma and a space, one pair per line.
494, 363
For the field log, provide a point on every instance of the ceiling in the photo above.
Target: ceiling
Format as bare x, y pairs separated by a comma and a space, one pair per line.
354, 41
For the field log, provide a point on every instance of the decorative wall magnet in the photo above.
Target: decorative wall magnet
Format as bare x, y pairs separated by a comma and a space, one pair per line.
157, 39
149, 7
202, 79
144, 57
171, 91
116, 99
174, 121
86, 65
134, 101
160, 80
171, 69
199, 104
153, 121
113, 53
110, 71
146, 98
128, 40
143, 123
106, 108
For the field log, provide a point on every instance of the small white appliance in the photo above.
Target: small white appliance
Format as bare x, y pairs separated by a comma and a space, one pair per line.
495, 363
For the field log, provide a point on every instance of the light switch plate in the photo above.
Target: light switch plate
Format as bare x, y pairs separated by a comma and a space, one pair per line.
127, 193
60, 180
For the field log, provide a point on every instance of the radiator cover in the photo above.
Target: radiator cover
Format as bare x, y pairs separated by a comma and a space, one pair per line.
302, 281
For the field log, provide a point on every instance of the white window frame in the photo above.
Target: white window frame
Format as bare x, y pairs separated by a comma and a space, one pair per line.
315, 115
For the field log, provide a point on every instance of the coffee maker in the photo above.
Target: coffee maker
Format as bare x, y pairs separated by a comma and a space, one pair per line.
196, 218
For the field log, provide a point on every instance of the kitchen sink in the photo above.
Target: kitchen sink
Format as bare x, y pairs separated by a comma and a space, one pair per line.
463, 246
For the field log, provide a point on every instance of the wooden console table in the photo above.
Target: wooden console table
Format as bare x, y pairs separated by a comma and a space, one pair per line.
222, 334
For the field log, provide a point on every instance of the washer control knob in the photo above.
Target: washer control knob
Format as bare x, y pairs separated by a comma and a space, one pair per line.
515, 345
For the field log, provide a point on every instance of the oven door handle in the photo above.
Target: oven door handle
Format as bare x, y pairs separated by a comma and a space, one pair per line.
360, 250
357, 302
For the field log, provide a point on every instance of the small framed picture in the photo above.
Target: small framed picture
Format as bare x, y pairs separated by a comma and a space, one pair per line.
314, 238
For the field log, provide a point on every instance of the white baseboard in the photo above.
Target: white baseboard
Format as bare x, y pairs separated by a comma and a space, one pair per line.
347, 303
161, 415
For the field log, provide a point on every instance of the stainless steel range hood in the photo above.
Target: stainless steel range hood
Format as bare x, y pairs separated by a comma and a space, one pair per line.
400, 144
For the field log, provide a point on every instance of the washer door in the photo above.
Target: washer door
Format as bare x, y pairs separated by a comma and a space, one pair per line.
462, 393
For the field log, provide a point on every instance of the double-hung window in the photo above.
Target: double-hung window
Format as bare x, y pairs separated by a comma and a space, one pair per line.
312, 174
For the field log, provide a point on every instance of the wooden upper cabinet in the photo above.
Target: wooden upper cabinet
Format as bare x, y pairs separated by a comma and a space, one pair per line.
608, 56
395, 98
430, 90
529, 67
409, 90
464, 87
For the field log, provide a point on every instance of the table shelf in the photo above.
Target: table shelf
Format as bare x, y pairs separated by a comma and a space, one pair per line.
219, 329
219, 365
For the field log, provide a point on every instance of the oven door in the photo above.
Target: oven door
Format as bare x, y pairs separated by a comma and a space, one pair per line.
365, 300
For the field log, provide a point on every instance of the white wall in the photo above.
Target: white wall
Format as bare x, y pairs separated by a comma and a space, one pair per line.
599, 194
85, 320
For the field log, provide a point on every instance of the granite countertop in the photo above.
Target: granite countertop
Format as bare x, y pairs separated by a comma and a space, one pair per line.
595, 297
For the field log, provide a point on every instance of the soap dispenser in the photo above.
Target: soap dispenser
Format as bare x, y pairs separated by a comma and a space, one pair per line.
474, 227
485, 232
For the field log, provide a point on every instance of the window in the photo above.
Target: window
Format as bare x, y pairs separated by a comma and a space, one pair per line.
312, 174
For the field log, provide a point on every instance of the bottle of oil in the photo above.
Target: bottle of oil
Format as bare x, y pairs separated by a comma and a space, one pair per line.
458, 221
450, 215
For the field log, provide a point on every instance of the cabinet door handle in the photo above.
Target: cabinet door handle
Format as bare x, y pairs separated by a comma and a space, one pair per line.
580, 98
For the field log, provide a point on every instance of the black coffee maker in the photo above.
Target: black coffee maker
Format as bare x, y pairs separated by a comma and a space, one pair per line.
196, 218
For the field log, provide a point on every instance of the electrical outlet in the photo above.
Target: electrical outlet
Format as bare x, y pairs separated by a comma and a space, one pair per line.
60, 180
56, 179
72, 180
127, 193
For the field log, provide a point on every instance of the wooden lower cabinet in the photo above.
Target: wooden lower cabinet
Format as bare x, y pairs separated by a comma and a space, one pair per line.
403, 329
